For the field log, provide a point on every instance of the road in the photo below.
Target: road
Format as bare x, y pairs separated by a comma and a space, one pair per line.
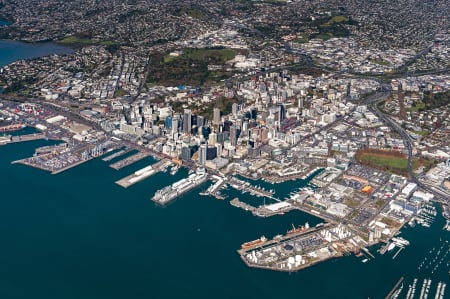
372, 102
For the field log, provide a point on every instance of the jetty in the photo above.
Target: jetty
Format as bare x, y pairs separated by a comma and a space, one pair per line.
143, 173
391, 292
129, 160
117, 154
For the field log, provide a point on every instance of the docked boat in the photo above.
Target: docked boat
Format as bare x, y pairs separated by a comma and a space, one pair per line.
299, 229
391, 246
257, 242
11, 128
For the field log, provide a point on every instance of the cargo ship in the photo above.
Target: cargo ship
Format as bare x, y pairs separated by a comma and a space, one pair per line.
254, 243
11, 128
296, 230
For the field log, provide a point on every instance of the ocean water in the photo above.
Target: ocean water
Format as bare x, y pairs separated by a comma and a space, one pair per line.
79, 235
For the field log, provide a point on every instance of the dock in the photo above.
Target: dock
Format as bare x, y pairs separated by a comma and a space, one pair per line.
143, 173
129, 160
244, 186
394, 288
170, 193
293, 252
28, 137
239, 204
117, 154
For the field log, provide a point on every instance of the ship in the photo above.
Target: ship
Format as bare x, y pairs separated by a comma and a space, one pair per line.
298, 229
254, 243
391, 246
12, 128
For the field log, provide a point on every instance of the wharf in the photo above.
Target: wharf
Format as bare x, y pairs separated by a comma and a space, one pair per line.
239, 204
29, 137
389, 295
143, 173
70, 161
129, 160
293, 252
71, 166
117, 154
170, 193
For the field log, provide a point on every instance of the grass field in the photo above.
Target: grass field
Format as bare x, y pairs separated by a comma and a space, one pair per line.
391, 161
216, 55
74, 40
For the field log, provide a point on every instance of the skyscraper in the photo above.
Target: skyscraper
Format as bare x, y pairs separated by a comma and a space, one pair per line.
202, 154
216, 116
234, 134
187, 121
235, 109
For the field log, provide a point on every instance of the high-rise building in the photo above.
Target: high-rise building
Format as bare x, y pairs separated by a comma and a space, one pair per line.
300, 102
235, 109
200, 121
212, 139
187, 121
202, 154
175, 123
211, 152
234, 134
186, 153
216, 116
168, 122
227, 125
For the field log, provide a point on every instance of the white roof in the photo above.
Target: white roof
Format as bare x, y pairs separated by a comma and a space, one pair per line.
278, 206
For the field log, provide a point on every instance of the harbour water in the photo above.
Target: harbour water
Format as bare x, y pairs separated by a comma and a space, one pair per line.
79, 235
13, 50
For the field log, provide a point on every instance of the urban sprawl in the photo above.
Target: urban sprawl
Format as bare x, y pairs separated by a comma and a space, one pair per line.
355, 100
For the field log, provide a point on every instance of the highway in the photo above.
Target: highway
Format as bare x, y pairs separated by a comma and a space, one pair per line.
440, 195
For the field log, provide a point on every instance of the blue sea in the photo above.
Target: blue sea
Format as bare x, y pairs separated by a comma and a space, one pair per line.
79, 235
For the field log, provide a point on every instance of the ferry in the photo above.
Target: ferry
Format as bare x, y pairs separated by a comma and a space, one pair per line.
254, 243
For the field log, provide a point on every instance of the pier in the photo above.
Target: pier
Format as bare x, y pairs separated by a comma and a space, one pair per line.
170, 193
59, 158
389, 295
117, 154
239, 204
28, 137
143, 173
128, 161
244, 186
